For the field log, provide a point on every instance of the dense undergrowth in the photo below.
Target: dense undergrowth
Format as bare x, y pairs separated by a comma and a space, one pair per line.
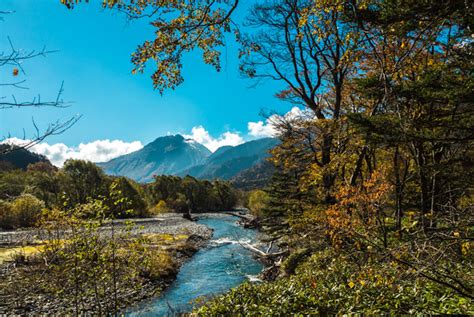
331, 284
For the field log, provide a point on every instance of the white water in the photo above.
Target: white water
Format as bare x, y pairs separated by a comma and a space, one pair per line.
213, 270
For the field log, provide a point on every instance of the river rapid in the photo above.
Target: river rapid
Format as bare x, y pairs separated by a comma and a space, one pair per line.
218, 267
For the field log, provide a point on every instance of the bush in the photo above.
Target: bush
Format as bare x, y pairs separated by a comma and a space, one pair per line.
23, 211
258, 201
6, 216
159, 265
94, 209
330, 284
161, 208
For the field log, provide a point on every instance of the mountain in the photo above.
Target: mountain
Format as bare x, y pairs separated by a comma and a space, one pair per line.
166, 155
175, 155
255, 177
220, 151
17, 157
228, 162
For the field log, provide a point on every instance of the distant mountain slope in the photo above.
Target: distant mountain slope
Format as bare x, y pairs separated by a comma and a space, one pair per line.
227, 163
19, 157
166, 155
256, 177
175, 155
220, 151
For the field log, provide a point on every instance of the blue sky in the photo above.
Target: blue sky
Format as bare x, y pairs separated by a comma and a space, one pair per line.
93, 60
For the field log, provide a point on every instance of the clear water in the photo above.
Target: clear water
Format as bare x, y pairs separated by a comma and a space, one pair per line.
213, 270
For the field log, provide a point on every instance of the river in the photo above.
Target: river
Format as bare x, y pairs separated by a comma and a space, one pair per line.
213, 270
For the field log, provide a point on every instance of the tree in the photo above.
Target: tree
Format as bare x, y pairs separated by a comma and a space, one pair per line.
258, 201
227, 197
125, 200
424, 69
82, 180
308, 46
194, 193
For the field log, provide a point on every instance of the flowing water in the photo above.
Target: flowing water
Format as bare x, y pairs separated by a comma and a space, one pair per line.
213, 270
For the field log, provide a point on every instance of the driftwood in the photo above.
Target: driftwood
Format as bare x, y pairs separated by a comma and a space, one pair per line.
273, 260
263, 254
187, 215
236, 214
246, 220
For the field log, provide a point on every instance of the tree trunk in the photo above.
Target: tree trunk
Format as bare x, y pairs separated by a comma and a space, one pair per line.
328, 177
398, 189
424, 185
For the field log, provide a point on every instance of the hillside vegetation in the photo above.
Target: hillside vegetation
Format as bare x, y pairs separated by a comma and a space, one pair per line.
12, 157
26, 194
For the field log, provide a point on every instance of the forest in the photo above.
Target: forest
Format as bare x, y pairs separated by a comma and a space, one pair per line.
34, 186
370, 206
372, 194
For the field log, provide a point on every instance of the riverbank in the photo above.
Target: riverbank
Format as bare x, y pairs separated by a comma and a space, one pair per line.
169, 223
222, 264
169, 236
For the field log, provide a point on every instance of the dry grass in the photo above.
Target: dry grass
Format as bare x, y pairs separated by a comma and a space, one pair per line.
10, 254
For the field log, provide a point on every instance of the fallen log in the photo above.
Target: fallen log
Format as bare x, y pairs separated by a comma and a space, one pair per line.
263, 254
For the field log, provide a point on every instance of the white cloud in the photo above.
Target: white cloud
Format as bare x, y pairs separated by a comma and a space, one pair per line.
201, 135
262, 129
96, 151
105, 150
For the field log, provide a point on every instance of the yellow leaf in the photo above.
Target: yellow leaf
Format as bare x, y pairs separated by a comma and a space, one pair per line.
351, 284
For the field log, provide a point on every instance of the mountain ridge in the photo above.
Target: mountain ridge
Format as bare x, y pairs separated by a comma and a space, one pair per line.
165, 155
176, 155
227, 164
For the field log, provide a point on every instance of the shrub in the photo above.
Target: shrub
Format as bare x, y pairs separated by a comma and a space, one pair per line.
161, 207
23, 211
331, 284
6, 219
159, 265
93, 209
258, 201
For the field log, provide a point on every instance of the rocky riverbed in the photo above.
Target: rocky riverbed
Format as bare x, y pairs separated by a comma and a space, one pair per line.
170, 223
178, 237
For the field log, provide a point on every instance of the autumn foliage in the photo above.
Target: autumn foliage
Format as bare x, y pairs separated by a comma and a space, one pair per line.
372, 194
373, 188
